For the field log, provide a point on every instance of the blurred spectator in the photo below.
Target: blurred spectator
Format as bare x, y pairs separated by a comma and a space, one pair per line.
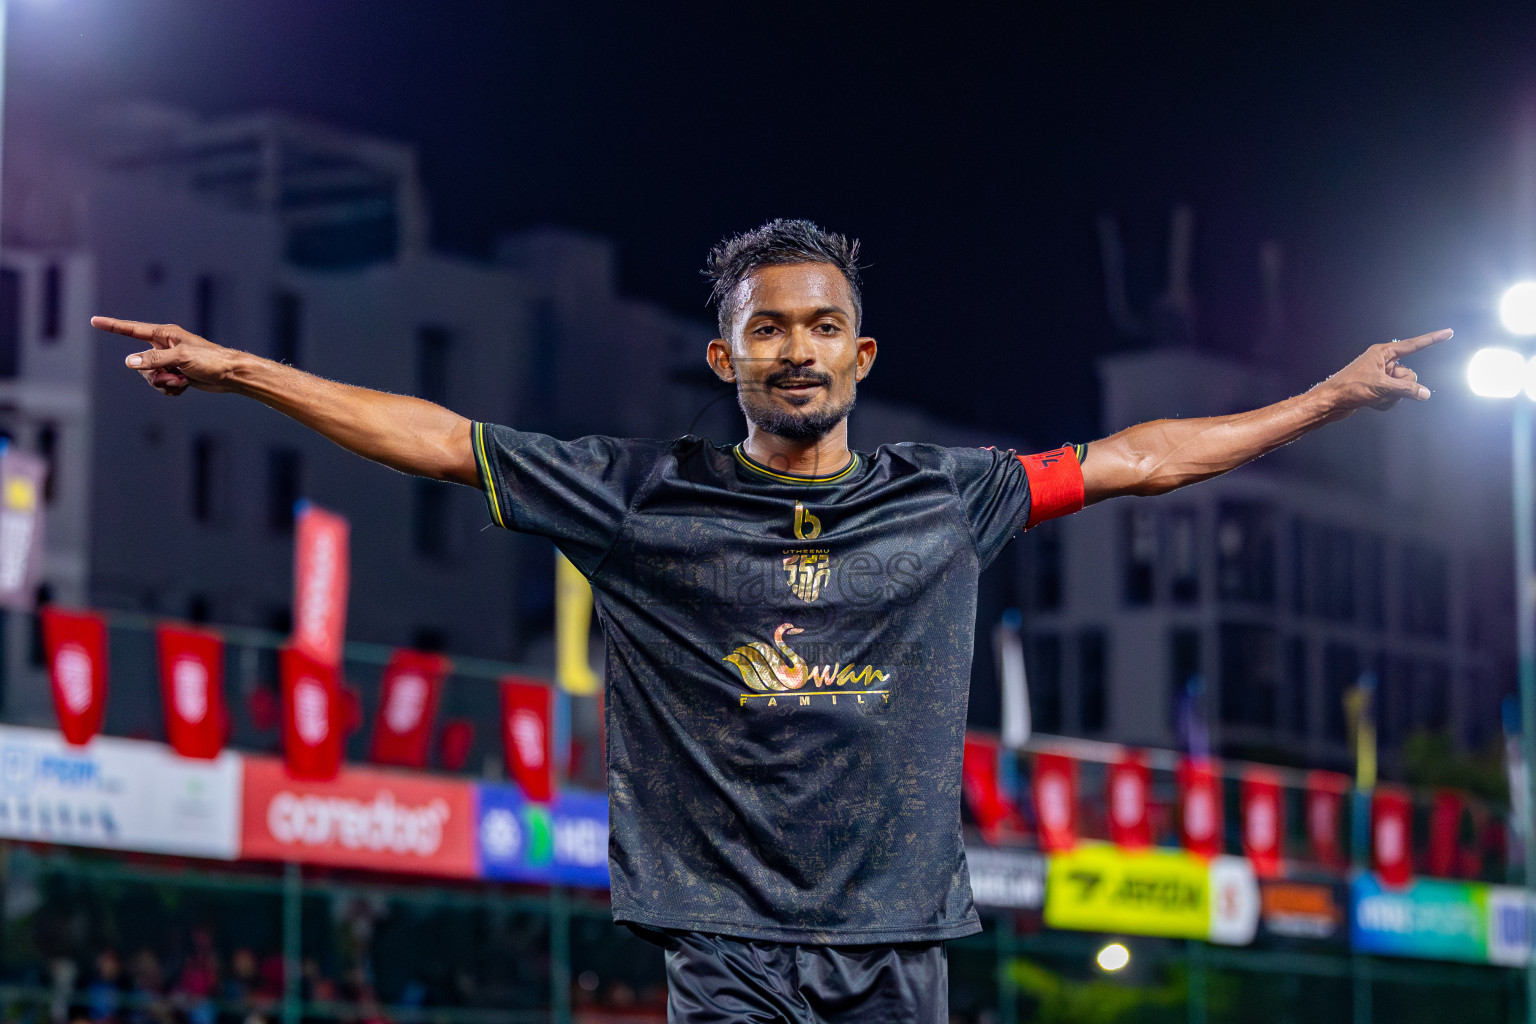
243, 979
104, 994
316, 986
269, 982
199, 980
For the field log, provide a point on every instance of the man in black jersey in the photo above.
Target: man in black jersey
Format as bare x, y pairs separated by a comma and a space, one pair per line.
789, 623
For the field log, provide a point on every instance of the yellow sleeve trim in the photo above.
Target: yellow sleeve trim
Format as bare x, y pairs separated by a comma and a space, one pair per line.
478, 433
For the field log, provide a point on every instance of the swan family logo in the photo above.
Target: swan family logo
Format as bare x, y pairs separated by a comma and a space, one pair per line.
773, 669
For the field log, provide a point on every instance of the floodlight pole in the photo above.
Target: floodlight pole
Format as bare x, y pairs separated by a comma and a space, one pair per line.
1525, 639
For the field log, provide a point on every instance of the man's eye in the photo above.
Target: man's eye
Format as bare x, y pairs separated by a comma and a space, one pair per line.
765, 329
827, 328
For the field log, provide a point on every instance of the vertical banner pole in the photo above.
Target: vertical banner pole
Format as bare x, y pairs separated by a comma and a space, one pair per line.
293, 916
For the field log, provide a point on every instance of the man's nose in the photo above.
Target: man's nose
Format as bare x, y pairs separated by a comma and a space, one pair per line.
797, 347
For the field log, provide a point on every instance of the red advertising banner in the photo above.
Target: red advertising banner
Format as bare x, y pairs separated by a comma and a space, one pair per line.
1325, 805
993, 809
363, 818
1391, 822
408, 699
1130, 783
75, 644
192, 690
321, 571
1200, 806
1263, 821
313, 726
1055, 792
527, 732
1445, 834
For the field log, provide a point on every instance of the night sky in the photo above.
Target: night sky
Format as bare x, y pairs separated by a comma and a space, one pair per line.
971, 152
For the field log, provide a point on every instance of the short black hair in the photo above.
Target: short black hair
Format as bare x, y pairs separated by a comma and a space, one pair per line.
777, 243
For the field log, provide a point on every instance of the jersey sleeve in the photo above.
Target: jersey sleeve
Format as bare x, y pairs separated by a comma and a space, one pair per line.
1003, 492
576, 493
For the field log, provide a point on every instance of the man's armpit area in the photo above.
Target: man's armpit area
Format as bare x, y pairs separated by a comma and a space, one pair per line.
1055, 483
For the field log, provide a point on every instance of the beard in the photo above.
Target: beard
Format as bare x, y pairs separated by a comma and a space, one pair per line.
792, 424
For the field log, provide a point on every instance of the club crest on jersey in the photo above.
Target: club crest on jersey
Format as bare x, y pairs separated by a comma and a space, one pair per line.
807, 526
807, 570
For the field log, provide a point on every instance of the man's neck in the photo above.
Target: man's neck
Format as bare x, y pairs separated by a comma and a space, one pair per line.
822, 457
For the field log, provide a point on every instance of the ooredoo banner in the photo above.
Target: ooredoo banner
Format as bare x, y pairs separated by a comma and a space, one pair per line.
117, 794
321, 576
192, 689
408, 698
378, 820
564, 842
76, 647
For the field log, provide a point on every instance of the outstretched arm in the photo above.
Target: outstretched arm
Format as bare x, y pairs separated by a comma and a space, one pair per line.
403, 433
1156, 457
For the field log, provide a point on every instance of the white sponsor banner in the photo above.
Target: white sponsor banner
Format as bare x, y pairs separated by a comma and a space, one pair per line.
117, 794
1511, 921
1006, 878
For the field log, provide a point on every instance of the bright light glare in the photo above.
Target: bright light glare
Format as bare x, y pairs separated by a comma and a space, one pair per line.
1496, 372
1517, 309
1114, 956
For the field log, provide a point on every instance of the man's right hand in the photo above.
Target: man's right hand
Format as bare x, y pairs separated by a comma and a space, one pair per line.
177, 359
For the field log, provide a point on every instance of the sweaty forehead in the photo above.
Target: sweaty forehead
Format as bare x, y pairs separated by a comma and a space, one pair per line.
792, 288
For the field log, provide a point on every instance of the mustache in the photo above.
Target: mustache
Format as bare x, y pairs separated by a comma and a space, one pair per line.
796, 375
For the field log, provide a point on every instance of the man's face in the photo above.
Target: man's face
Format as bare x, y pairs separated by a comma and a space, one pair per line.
794, 352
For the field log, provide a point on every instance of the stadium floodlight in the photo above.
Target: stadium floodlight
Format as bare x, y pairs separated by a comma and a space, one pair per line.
1497, 373
1517, 309
1113, 957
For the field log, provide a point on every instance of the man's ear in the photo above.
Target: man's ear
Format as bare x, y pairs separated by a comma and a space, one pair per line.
718, 356
864, 358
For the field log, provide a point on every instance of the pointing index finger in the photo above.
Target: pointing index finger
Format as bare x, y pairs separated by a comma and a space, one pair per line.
1410, 345
131, 328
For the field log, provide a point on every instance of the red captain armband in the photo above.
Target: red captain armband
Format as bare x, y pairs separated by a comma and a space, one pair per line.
1055, 484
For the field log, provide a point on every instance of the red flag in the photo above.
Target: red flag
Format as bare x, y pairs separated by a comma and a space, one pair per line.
1325, 802
408, 697
320, 580
455, 743
1055, 791
1200, 806
192, 689
313, 729
1130, 823
1391, 821
1445, 834
995, 812
527, 731
76, 647
1263, 821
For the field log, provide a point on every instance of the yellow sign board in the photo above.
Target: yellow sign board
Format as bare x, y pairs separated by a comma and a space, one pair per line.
1103, 888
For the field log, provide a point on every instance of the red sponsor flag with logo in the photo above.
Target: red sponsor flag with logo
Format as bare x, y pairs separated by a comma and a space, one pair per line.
321, 575
1445, 834
313, 724
993, 809
527, 731
75, 644
192, 689
408, 698
1325, 805
1200, 806
1130, 782
1055, 792
1263, 820
1391, 831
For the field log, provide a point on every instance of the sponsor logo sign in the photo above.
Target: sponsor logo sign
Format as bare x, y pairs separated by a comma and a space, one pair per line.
1294, 909
379, 820
117, 794
1173, 893
562, 842
1511, 925
1013, 879
1432, 918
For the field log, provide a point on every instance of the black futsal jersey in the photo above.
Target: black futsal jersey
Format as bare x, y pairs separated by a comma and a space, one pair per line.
788, 664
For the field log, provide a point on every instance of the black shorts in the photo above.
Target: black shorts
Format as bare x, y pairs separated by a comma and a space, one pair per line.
713, 979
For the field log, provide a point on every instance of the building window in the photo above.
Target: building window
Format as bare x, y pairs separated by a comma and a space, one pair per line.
1341, 671
1298, 716
284, 469
1043, 654
1250, 674
432, 347
1140, 555
1092, 679
1431, 696
199, 608
1045, 566
207, 506
1183, 556
205, 306
1183, 668
1245, 552
53, 301
287, 323
1330, 574
10, 322
1423, 588
1371, 565
430, 519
